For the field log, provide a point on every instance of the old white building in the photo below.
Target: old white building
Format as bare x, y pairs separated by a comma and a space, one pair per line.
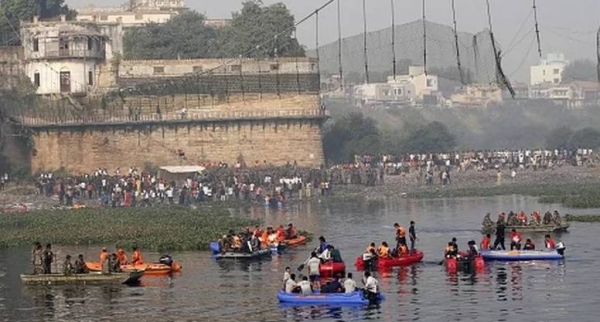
134, 13
66, 57
549, 71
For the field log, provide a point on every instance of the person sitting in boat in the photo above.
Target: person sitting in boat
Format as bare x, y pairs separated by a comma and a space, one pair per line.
136, 257
257, 232
255, 242
236, 244
547, 218
549, 242
80, 266
535, 218
121, 256
68, 268
280, 233
450, 251
290, 232
400, 234
336, 286
113, 264
402, 250
522, 217
487, 221
371, 287
529, 245
556, 219
369, 248
305, 287
349, 284
485, 242
501, 218
472, 250
290, 285
383, 251
515, 240
455, 244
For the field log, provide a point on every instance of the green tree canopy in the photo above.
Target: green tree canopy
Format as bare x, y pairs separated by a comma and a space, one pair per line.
565, 138
350, 135
187, 36
184, 36
13, 11
559, 138
580, 70
431, 138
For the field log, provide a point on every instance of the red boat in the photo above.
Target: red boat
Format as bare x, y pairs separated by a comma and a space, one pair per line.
331, 269
453, 265
411, 258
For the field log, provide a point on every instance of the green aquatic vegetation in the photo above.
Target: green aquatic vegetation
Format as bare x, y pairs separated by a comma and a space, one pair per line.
583, 218
151, 229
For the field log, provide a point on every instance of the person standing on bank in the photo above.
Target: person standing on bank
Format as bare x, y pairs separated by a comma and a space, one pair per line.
412, 235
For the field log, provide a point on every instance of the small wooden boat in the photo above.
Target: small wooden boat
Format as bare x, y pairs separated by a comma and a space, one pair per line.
131, 278
490, 229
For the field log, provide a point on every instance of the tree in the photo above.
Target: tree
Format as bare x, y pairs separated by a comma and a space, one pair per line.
559, 138
352, 134
431, 138
580, 70
585, 138
15, 11
258, 25
184, 36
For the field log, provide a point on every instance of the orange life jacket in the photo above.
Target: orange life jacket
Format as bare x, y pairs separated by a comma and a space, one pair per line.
369, 249
400, 232
383, 252
136, 258
237, 242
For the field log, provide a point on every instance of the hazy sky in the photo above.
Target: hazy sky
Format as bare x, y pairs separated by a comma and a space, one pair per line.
567, 26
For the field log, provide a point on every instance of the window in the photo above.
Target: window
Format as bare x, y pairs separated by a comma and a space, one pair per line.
90, 44
236, 68
64, 43
430, 83
36, 79
556, 71
556, 81
139, 16
159, 70
36, 45
103, 17
90, 78
198, 69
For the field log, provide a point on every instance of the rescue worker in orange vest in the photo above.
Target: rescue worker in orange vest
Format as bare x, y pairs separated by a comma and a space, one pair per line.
400, 234
121, 256
529, 245
290, 232
402, 250
515, 240
550, 244
370, 248
485, 242
237, 243
257, 232
383, 251
136, 257
280, 233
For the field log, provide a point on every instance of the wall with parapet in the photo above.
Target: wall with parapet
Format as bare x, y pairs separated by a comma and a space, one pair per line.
274, 141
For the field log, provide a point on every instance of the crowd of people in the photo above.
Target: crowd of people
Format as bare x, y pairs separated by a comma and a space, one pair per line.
521, 219
249, 241
384, 251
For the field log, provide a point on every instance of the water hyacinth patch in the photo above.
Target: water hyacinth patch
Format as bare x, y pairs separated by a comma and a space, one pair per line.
152, 229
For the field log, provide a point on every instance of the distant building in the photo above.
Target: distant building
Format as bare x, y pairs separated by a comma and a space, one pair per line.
478, 95
67, 57
549, 71
135, 13
424, 84
572, 95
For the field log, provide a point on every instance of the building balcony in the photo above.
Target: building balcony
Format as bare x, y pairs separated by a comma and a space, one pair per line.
67, 53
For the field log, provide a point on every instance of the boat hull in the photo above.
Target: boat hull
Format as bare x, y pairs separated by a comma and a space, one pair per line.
453, 265
383, 263
263, 253
331, 269
355, 298
148, 269
529, 229
521, 255
91, 278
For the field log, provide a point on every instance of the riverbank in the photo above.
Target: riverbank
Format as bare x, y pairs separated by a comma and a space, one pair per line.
152, 229
576, 187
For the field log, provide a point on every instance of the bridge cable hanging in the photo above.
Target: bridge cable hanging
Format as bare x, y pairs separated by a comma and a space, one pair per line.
366, 56
393, 38
297, 68
537, 29
317, 43
501, 77
598, 54
457, 44
424, 39
339, 22
276, 55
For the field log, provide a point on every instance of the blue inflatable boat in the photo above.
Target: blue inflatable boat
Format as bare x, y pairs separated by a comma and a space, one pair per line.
521, 255
355, 298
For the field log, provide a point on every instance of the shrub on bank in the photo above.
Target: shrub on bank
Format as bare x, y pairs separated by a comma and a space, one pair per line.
152, 229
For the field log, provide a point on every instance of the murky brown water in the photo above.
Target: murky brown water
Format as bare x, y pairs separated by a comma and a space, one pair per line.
211, 291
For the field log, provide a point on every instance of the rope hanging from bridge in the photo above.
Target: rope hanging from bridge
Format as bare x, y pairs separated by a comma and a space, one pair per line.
598, 54
366, 57
393, 10
457, 44
339, 22
297, 68
501, 77
317, 43
537, 28
424, 39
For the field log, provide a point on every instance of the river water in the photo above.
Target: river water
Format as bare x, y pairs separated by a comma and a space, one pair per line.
211, 291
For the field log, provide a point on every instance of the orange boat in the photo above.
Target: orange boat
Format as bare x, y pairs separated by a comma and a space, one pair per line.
148, 269
296, 241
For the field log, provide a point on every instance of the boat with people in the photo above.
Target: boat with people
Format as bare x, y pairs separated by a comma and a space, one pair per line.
550, 223
464, 264
411, 258
354, 298
523, 255
164, 266
131, 278
258, 254
331, 269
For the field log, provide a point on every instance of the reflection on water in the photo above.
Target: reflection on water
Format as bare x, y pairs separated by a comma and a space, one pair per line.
209, 290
